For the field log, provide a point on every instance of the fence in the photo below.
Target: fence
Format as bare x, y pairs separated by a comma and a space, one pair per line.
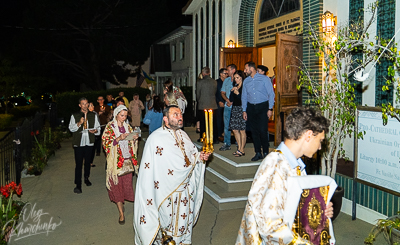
16, 146
7, 156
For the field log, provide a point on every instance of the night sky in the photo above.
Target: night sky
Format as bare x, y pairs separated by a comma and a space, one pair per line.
75, 42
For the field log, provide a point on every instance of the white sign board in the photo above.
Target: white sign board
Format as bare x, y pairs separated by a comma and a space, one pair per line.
378, 154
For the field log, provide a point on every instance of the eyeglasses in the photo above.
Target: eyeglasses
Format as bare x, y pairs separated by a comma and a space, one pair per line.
226, 74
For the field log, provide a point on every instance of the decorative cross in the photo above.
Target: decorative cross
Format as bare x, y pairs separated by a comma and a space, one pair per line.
156, 184
185, 201
159, 150
149, 202
142, 220
147, 165
170, 172
182, 229
184, 215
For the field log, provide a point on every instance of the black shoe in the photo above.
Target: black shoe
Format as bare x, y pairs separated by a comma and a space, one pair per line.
265, 154
93, 165
87, 182
77, 190
257, 157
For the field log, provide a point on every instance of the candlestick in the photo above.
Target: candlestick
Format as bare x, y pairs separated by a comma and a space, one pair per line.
207, 133
210, 115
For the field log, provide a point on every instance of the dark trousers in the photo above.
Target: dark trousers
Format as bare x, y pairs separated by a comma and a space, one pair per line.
258, 119
202, 119
219, 117
97, 142
82, 153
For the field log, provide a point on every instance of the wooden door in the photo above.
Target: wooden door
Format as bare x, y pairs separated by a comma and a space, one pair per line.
287, 97
237, 56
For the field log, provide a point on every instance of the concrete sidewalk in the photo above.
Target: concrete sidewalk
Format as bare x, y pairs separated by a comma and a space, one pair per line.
90, 217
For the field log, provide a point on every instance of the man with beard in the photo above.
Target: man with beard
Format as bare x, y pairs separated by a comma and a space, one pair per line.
169, 189
84, 126
257, 102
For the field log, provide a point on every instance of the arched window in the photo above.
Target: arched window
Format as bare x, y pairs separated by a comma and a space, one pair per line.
271, 9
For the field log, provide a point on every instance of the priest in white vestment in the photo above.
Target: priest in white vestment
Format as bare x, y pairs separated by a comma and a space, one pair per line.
169, 189
264, 220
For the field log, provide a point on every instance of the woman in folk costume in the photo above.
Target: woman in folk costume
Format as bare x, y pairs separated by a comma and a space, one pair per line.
119, 152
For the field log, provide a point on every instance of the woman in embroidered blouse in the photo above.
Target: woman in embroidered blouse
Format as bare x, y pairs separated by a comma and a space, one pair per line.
119, 150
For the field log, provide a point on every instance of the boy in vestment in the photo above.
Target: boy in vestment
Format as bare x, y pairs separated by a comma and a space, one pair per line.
262, 221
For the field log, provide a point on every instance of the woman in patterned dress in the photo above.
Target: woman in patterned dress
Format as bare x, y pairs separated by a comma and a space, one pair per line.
237, 124
118, 151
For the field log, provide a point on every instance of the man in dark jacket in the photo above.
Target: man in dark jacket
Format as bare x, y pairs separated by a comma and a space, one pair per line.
103, 111
84, 125
205, 94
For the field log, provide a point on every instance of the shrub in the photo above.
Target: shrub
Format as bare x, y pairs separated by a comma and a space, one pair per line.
5, 121
24, 111
67, 103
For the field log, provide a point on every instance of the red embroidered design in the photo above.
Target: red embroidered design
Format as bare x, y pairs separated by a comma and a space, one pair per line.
185, 201
184, 215
142, 220
170, 172
182, 229
159, 150
147, 165
149, 202
156, 184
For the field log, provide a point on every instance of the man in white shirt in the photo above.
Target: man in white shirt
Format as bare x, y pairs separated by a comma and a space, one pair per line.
84, 125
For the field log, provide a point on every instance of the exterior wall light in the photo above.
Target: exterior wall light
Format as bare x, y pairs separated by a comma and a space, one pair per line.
231, 44
328, 22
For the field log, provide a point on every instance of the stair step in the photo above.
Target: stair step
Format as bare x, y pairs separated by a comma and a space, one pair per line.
227, 184
225, 203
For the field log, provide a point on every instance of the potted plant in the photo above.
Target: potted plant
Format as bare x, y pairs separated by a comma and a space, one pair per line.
390, 228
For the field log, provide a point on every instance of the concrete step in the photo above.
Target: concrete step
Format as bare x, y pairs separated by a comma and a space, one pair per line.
222, 199
233, 167
226, 182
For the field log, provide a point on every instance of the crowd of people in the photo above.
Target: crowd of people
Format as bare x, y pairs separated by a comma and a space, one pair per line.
241, 99
170, 183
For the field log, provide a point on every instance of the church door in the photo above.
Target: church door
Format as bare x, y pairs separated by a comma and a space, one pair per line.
287, 97
237, 56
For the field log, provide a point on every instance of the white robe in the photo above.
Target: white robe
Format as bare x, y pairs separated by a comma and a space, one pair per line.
168, 194
272, 202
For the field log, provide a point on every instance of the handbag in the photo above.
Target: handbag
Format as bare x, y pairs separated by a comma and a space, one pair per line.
127, 168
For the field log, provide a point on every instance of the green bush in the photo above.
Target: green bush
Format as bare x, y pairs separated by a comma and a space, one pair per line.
5, 121
67, 102
24, 111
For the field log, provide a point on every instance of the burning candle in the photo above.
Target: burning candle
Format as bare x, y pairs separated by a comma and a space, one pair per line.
207, 133
210, 115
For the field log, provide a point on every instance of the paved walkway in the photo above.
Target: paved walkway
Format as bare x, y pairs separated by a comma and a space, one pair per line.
90, 217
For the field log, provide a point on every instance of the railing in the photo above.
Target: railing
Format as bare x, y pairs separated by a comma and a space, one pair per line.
16, 146
7, 157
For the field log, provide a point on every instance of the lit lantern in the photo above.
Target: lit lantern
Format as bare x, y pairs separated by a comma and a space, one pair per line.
328, 22
231, 44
